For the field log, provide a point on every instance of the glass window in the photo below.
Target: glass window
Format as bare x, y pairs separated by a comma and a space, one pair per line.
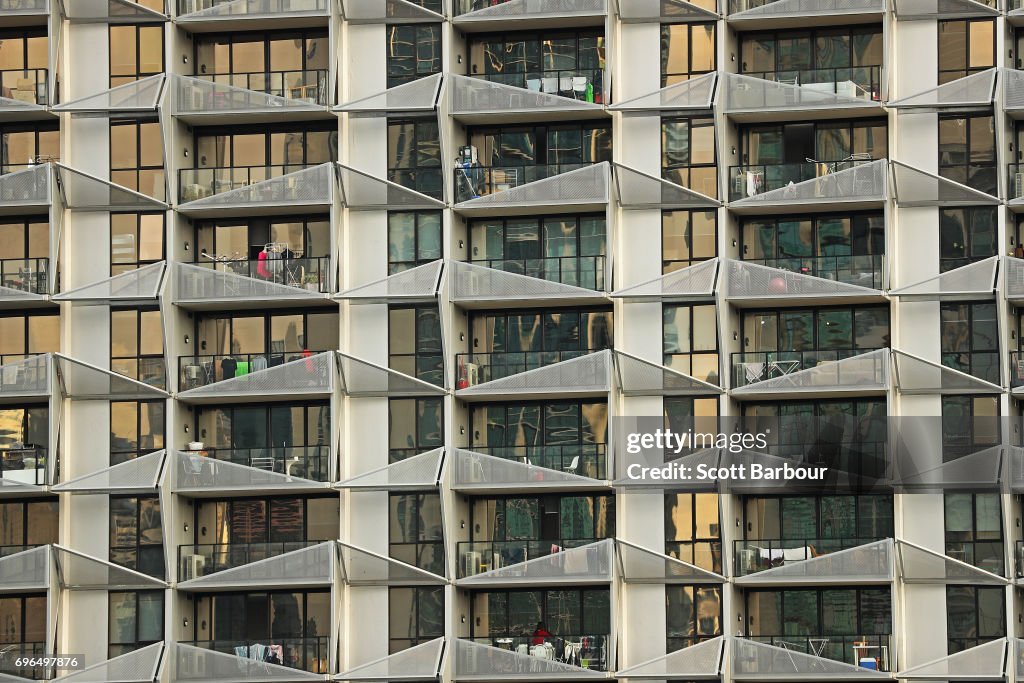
416, 425
688, 236
137, 345
136, 51
416, 530
967, 151
136, 536
974, 530
28, 144
414, 156
693, 615
970, 339
266, 152
136, 428
693, 529
687, 50
25, 524
414, 238
413, 51
137, 157
966, 235
966, 46
415, 615
289, 63
28, 334
414, 342
976, 616
688, 156
969, 424
690, 340
136, 239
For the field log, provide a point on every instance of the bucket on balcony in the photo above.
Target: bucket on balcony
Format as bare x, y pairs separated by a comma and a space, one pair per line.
869, 663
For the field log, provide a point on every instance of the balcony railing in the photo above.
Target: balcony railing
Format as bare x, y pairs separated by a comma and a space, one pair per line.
425, 180
307, 654
586, 85
200, 371
477, 557
864, 270
25, 465
590, 651
584, 459
197, 183
29, 275
856, 82
8, 550
871, 652
478, 181
477, 368
11, 652
757, 555
306, 86
203, 559
753, 367
754, 179
272, 6
25, 85
579, 271
287, 268
306, 462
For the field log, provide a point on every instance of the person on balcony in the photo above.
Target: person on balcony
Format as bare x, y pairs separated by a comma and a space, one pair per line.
540, 634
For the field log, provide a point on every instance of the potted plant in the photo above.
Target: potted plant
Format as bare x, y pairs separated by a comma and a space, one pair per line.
311, 281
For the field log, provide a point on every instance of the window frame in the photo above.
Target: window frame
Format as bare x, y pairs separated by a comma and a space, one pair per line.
673, 77
139, 74
396, 265
121, 455
148, 359
135, 550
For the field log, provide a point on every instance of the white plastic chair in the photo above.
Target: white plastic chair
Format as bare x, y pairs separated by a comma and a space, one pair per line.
565, 84
571, 469
549, 85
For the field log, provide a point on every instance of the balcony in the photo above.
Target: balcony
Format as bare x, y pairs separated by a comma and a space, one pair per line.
587, 651
16, 8
752, 368
501, 469
244, 660
258, 190
25, 190
392, 11
917, 564
530, 190
419, 662
756, 14
416, 97
416, 472
290, 269
13, 651
979, 661
586, 563
481, 181
111, 12
216, 15
915, 375
910, 10
478, 557
479, 368
476, 286
23, 92
812, 657
473, 660
201, 473
584, 85
702, 661
505, 15
694, 95
195, 561
24, 465
976, 91
587, 272
417, 285
970, 282
865, 270
302, 462
140, 475
810, 561
825, 93
302, 86
851, 181
584, 459
475, 100
24, 280
748, 284
665, 11
913, 187
248, 376
211, 286
134, 287
698, 282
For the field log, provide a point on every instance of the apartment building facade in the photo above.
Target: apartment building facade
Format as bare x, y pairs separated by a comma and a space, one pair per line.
327, 313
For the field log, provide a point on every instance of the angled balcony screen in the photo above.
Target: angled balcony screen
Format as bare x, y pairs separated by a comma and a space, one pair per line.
478, 662
310, 376
914, 187
142, 95
471, 95
803, 8
304, 187
586, 374
9, 295
861, 183
974, 281
695, 94
865, 372
191, 96
199, 665
135, 286
751, 281
25, 189
251, 9
28, 570
82, 381
692, 283
985, 662
412, 474
199, 474
662, 10
109, 12
198, 284
920, 565
140, 666
416, 285
26, 7
362, 191
420, 95
586, 186
749, 94
83, 192
637, 377
1018, 646
313, 566
642, 565
974, 91
702, 661
534, 9
82, 572
909, 10
638, 190
870, 563
386, 12
472, 283
360, 567
361, 378
980, 470
26, 378
1013, 278
1012, 81
419, 663
474, 470
587, 564
915, 375
139, 475
11, 488
16, 107
754, 661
